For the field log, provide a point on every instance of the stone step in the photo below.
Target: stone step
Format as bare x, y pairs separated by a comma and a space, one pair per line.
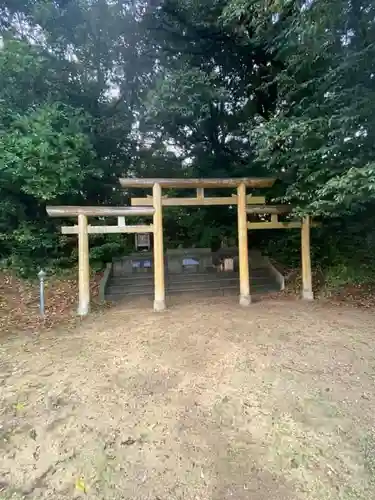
207, 286
209, 281
119, 291
190, 276
189, 283
206, 292
131, 278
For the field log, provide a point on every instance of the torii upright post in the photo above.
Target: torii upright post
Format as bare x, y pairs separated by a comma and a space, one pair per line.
307, 292
245, 298
83, 267
159, 302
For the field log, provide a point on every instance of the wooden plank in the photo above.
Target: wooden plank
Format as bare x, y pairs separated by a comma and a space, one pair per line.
159, 298
279, 225
274, 225
141, 228
274, 218
196, 202
109, 229
71, 211
83, 267
269, 209
307, 292
200, 193
243, 251
253, 200
251, 182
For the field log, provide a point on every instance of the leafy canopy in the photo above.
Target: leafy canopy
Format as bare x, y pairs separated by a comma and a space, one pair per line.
94, 89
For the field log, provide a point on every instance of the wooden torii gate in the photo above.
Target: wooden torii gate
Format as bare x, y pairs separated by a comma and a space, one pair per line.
275, 223
153, 206
83, 230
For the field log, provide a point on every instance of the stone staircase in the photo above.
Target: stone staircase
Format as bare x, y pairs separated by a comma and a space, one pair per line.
121, 285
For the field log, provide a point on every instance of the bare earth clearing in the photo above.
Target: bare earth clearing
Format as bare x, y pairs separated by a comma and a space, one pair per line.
205, 401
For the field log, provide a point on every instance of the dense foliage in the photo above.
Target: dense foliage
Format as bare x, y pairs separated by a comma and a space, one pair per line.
94, 89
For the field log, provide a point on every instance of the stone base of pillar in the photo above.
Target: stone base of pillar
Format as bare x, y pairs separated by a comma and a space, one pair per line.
159, 305
307, 295
245, 300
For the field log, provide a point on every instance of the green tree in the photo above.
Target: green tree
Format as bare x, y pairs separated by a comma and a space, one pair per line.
319, 139
71, 80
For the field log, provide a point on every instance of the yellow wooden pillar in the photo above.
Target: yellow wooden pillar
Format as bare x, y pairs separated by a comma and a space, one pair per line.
245, 298
83, 267
307, 292
159, 301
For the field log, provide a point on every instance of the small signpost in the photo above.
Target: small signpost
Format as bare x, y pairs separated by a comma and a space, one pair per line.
41, 276
229, 264
142, 241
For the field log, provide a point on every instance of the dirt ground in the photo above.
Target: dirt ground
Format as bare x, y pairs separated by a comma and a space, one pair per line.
205, 401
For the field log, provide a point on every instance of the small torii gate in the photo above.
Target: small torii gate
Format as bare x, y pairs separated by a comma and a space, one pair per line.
152, 206
83, 230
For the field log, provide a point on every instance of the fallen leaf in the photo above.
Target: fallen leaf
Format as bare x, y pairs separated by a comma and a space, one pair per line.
128, 442
80, 485
19, 406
